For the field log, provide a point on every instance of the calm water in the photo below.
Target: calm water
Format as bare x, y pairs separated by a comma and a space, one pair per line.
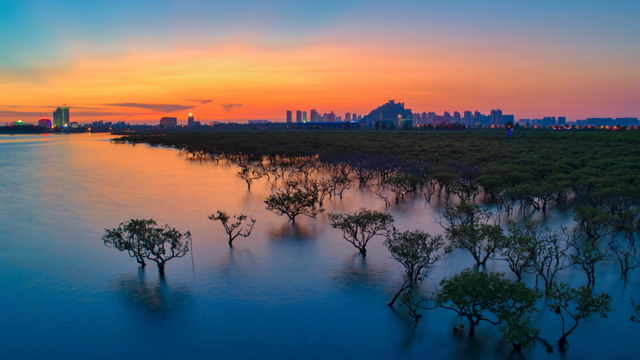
284, 293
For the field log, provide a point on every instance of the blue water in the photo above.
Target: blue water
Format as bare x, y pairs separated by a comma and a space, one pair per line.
284, 293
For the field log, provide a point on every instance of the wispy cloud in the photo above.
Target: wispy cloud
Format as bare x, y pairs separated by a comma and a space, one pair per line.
202, 102
165, 108
229, 107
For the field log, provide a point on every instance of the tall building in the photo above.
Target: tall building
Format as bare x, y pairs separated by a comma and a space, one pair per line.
347, 117
562, 120
456, 117
304, 116
298, 116
289, 117
496, 117
61, 117
354, 117
468, 118
190, 120
314, 115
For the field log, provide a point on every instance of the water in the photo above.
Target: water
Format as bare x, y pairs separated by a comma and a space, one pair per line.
284, 293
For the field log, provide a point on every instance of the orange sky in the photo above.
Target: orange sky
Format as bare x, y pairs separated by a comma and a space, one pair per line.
340, 69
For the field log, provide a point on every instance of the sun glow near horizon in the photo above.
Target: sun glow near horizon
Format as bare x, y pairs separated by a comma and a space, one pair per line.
257, 72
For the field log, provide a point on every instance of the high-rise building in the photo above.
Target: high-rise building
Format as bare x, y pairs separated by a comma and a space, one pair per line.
562, 120
354, 117
298, 116
61, 117
45, 123
313, 115
190, 120
289, 117
304, 116
339, 118
468, 118
456, 117
496, 117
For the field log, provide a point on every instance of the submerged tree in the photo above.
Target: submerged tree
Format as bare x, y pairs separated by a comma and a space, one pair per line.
293, 201
249, 175
142, 239
467, 227
233, 230
130, 237
417, 251
166, 243
636, 312
550, 255
588, 253
519, 332
574, 305
478, 296
358, 228
517, 248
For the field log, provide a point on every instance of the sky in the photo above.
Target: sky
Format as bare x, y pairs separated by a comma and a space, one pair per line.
137, 61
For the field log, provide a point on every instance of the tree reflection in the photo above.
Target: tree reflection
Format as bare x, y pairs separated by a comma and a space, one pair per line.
288, 231
158, 297
355, 272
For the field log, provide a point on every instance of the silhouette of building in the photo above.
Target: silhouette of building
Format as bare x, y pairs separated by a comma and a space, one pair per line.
456, 117
289, 117
562, 120
496, 117
45, 123
168, 122
468, 118
190, 120
313, 115
507, 118
354, 117
304, 116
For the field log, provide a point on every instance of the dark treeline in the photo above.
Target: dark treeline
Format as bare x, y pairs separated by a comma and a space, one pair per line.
532, 169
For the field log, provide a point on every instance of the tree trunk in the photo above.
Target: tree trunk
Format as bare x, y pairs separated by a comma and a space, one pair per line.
161, 268
472, 329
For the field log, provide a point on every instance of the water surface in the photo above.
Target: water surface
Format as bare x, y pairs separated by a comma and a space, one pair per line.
284, 293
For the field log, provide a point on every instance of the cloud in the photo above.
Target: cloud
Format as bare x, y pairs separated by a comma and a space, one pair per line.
165, 108
202, 102
229, 107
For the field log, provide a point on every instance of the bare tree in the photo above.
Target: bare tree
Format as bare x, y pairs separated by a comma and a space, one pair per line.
550, 255
233, 230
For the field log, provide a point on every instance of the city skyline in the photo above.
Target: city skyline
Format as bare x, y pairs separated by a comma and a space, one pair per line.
250, 60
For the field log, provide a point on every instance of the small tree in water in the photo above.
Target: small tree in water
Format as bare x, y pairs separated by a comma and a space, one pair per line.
293, 201
467, 227
142, 239
233, 230
358, 228
130, 237
476, 295
417, 251
574, 305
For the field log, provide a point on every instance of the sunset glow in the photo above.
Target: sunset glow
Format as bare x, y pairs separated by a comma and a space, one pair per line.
137, 63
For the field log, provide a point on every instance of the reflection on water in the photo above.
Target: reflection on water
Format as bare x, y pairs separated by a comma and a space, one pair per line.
356, 273
285, 292
155, 296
